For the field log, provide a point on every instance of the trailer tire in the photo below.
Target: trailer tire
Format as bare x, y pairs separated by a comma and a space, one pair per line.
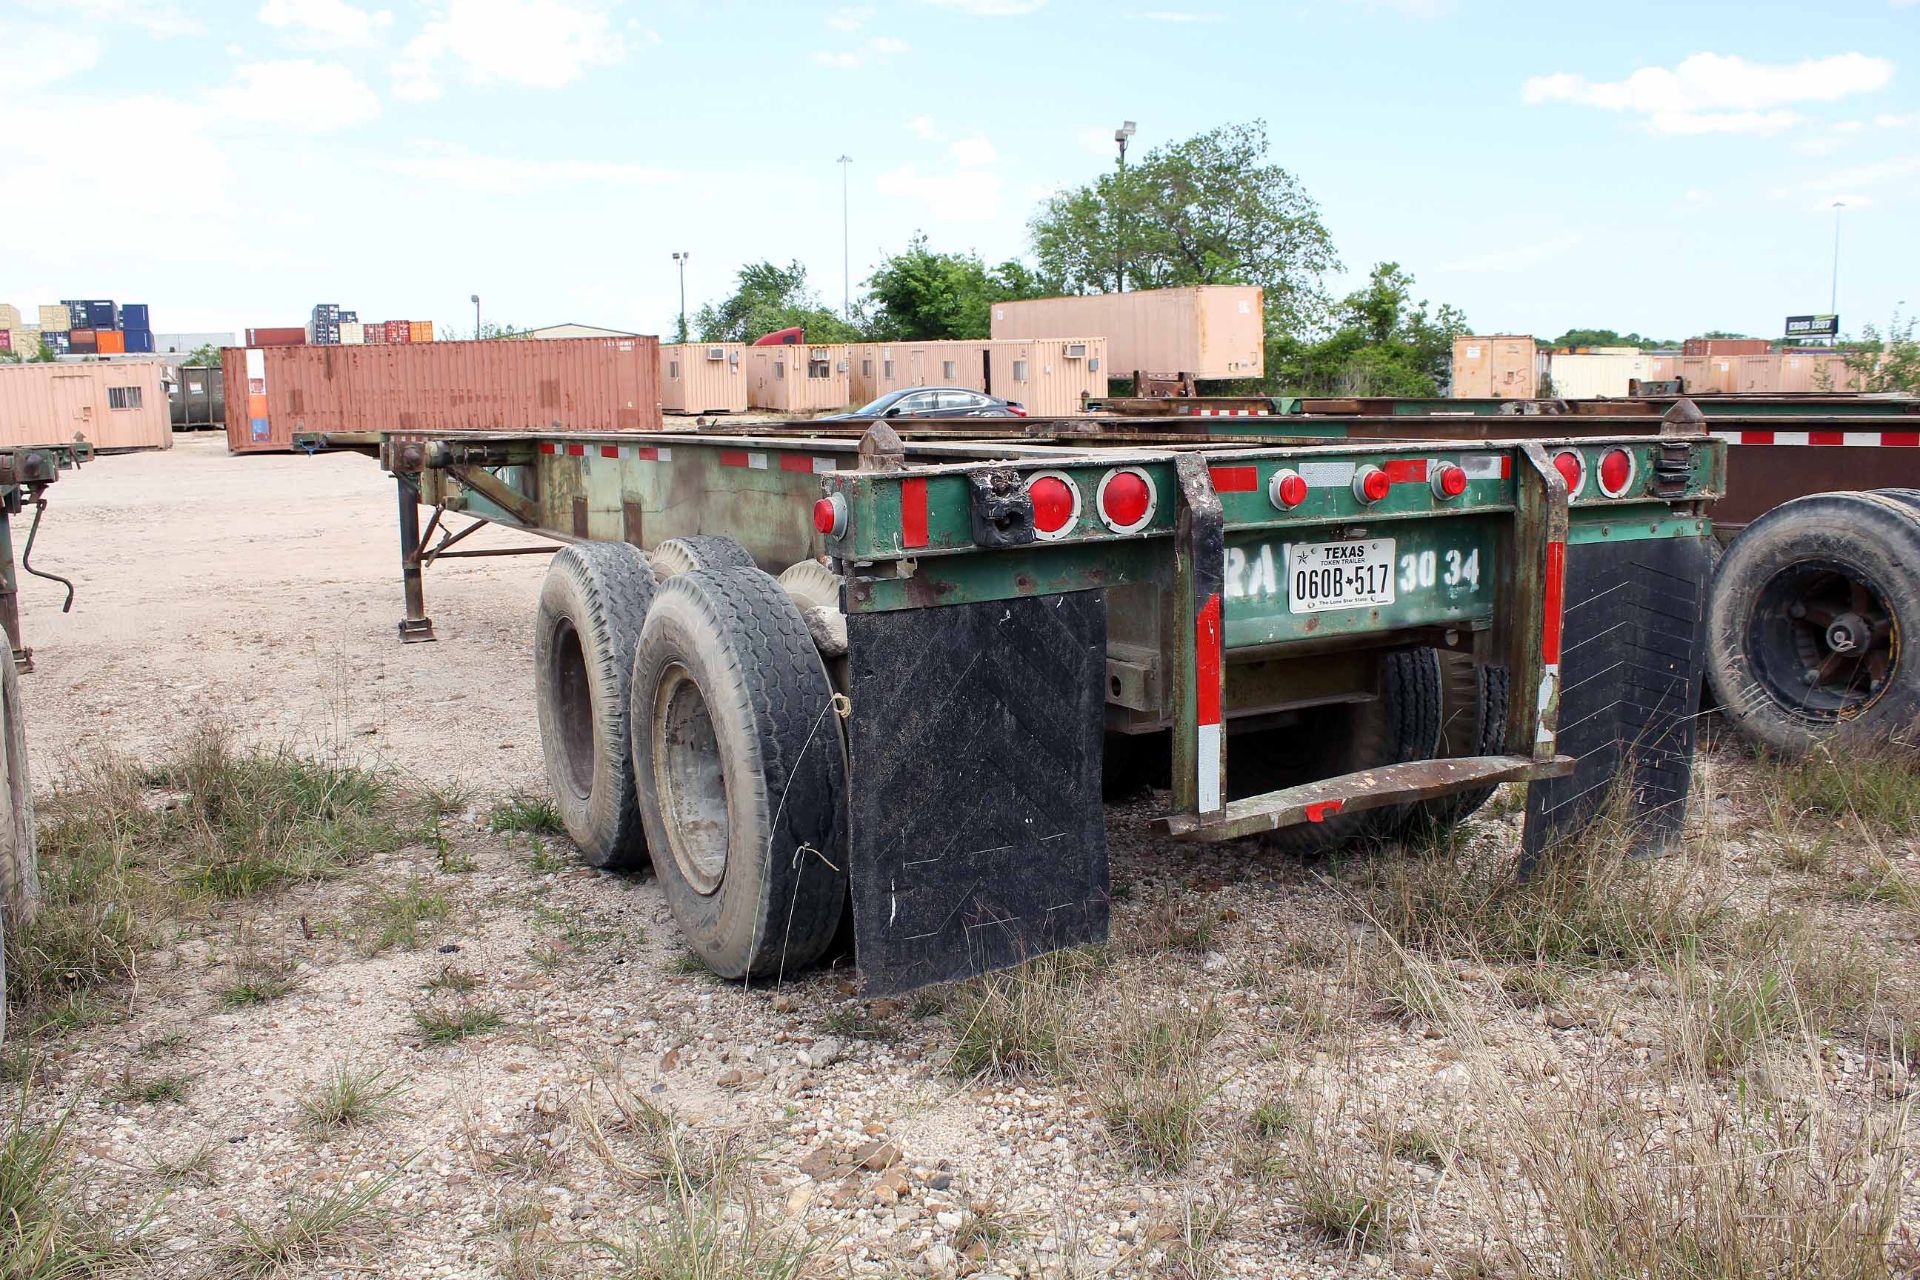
741, 770
1473, 722
1827, 565
698, 551
592, 605
19, 853
1402, 724
812, 585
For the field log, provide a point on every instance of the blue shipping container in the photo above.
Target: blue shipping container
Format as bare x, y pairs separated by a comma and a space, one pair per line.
76, 312
140, 342
133, 315
102, 315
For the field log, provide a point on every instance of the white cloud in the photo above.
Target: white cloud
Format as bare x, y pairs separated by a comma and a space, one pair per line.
325, 23
1890, 121
1718, 93
1863, 175
924, 127
953, 197
1695, 196
972, 151
1178, 15
298, 95
989, 8
849, 19
1515, 259
534, 43
32, 56
458, 168
155, 17
878, 49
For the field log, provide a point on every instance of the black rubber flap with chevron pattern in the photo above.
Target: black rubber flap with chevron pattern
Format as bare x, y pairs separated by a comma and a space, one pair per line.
977, 834
1630, 669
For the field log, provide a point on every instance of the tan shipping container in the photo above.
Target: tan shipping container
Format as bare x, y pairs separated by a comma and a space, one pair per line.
9, 316
703, 377
1665, 368
1595, 374
1815, 371
1756, 375
55, 319
419, 331
571, 384
1206, 331
799, 378
119, 405
1498, 366
1049, 377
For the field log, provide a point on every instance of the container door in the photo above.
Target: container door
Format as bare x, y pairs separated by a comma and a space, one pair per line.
72, 408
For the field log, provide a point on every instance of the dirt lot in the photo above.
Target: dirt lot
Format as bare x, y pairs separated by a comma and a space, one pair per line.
422, 1040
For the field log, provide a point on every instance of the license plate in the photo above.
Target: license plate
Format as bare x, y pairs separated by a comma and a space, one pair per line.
1339, 575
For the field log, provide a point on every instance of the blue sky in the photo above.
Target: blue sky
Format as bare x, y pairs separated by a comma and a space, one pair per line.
1660, 167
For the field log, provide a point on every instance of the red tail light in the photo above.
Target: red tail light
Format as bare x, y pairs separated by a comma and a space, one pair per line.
1616, 472
1370, 484
1287, 489
1573, 469
1017, 411
1125, 499
1448, 481
1056, 504
830, 515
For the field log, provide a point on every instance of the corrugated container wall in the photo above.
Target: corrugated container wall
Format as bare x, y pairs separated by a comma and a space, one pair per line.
55, 319
110, 342
115, 406
283, 336
352, 333
574, 384
703, 377
9, 316
1501, 366
1048, 377
1590, 375
1815, 371
419, 331
1207, 331
798, 379
1724, 347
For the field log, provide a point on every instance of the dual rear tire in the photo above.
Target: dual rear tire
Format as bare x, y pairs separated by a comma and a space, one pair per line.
687, 718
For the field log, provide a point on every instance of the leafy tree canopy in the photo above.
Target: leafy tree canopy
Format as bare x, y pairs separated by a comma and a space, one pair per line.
766, 298
1609, 338
1210, 210
920, 295
1382, 343
1887, 361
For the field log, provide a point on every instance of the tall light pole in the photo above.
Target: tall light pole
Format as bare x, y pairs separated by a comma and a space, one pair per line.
1833, 299
1120, 136
846, 241
681, 259
476, 316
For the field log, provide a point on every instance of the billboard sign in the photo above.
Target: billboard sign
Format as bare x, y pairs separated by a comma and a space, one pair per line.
1813, 326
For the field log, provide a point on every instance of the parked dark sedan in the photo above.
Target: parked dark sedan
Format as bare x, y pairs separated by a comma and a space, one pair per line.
934, 402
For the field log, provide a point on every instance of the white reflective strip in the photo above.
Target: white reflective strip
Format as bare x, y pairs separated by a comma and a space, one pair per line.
256, 363
821, 466
1790, 437
1549, 684
663, 455
1731, 437
758, 461
1209, 744
1481, 466
1327, 475
1869, 438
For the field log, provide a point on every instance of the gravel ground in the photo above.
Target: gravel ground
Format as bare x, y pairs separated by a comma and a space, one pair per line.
261, 592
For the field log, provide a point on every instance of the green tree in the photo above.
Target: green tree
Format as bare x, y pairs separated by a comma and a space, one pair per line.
1610, 338
1382, 343
205, 354
1210, 210
767, 298
1885, 362
920, 295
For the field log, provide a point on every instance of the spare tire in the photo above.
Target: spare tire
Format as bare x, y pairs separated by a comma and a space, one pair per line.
1808, 620
592, 605
1473, 722
741, 770
698, 551
1402, 724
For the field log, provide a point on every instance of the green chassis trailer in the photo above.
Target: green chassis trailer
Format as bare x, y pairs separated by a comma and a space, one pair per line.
1323, 640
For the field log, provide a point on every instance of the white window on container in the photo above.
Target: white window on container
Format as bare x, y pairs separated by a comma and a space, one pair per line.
819, 368
887, 370
1019, 370
779, 369
866, 368
673, 368
123, 397
946, 370
1093, 365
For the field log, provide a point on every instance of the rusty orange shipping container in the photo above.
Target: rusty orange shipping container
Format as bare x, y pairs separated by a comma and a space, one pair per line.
118, 405
110, 342
569, 384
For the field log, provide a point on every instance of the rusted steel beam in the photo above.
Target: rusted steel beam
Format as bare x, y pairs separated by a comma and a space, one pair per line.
498, 492
415, 627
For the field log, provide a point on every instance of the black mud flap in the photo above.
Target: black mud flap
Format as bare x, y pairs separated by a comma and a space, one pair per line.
1630, 670
977, 834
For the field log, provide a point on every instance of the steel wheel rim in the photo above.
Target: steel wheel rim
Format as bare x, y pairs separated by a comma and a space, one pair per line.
1823, 642
690, 778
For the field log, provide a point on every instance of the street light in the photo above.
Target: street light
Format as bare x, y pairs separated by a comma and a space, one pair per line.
681, 258
1120, 136
1833, 299
475, 299
846, 254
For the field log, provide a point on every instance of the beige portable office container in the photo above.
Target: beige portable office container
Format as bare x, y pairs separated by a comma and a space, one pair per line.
1049, 377
798, 378
1206, 331
117, 405
703, 377
1501, 366
1590, 375
1815, 371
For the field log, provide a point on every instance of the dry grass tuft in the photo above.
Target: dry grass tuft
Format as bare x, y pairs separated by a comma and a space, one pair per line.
312, 1227
1149, 1077
1019, 1021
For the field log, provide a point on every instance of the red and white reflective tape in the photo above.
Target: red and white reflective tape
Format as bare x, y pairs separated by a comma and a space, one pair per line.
1836, 439
628, 451
801, 462
1208, 643
1225, 413
1554, 609
743, 458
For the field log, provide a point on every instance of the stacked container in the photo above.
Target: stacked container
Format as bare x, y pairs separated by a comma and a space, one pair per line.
281, 337
419, 331
324, 328
399, 330
352, 333
82, 342
55, 319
